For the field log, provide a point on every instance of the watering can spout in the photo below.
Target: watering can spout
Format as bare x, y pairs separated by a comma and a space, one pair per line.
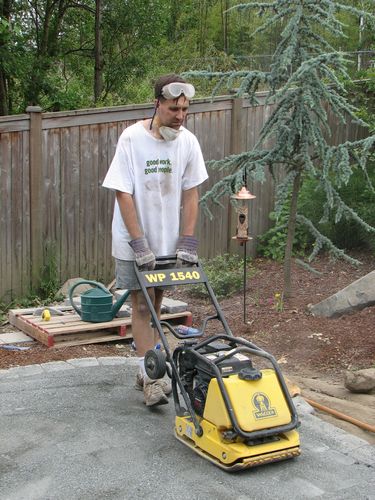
117, 305
97, 303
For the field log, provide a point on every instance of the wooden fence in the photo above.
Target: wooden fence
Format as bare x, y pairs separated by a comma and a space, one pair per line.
52, 205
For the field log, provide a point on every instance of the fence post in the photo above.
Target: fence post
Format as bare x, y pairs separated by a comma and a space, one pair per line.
237, 145
36, 188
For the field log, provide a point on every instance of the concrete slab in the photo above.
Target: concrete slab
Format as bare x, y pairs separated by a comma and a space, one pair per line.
84, 433
112, 360
174, 306
55, 366
14, 338
83, 362
26, 371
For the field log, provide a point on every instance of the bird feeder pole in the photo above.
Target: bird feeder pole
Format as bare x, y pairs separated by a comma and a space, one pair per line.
242, 233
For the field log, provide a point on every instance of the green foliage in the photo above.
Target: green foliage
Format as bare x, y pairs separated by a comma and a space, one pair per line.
358, 194
49, 282
362, 94
225, 275
47, 290
47, 48
271, 244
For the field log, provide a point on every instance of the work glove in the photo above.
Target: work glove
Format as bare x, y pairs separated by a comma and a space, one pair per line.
144, 257
186, 251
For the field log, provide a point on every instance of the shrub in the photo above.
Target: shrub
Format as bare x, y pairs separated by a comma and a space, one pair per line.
225, 275
271, 244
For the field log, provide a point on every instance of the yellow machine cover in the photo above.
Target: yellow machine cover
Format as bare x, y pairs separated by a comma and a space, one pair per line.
257, 404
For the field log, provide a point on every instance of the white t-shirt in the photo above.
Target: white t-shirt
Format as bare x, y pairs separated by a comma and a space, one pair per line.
155, 172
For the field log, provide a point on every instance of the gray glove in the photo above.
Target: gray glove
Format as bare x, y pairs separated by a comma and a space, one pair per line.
186, 251
144, 257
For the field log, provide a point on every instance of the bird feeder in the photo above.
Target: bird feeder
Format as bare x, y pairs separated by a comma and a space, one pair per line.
242, 232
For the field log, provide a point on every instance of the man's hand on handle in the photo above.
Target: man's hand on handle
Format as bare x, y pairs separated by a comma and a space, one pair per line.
186, 251
144, 257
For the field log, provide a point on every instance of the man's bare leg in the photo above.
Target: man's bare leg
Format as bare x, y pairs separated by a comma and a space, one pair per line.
145, 338
143, 333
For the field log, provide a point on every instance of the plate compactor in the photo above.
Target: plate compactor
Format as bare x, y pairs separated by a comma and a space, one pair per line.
228, 410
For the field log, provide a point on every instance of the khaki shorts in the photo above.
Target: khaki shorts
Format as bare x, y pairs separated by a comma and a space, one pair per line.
125, 275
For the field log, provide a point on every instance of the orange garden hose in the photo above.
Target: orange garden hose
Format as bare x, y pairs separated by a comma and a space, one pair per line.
342, 416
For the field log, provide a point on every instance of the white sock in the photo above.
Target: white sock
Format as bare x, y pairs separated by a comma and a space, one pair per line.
142, 370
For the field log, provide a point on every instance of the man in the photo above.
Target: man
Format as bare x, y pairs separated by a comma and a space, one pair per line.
157, 167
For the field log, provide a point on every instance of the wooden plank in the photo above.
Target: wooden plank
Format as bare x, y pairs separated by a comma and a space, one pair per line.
123, 114
219, 152
92, 215
37, 207
17, 213
89, 339
110, 200
87, 227
17, 123
238, 126
5, 216
70, 203
203, 222
104, 227
31, 330
25, 246
52, 194
88, 119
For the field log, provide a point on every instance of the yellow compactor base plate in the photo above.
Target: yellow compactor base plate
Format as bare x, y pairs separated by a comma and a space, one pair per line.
236, 456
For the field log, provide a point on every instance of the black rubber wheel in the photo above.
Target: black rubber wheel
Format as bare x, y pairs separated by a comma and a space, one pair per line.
155, 364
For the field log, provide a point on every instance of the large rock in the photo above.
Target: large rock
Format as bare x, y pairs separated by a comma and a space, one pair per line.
64, 290
357, 295
360, 380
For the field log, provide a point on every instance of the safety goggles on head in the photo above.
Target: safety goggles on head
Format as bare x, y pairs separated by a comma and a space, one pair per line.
176, 89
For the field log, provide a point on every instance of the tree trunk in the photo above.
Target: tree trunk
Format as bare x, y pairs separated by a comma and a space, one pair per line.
98, 76
4, 98
359, 55
4, 109
290, 236
175, 14
224, 23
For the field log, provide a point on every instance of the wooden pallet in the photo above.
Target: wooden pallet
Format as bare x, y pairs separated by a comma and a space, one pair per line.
70, 330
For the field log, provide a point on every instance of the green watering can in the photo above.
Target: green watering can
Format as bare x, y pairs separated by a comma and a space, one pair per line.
97, 304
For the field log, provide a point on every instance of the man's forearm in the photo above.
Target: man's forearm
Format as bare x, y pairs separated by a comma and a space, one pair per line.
129, 214
190, 200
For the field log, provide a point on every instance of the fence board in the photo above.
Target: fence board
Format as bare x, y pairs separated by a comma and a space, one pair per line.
103, 221
25, 255
89, 201
17, 123
110, 198
16, 211
70, 202
6, 216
